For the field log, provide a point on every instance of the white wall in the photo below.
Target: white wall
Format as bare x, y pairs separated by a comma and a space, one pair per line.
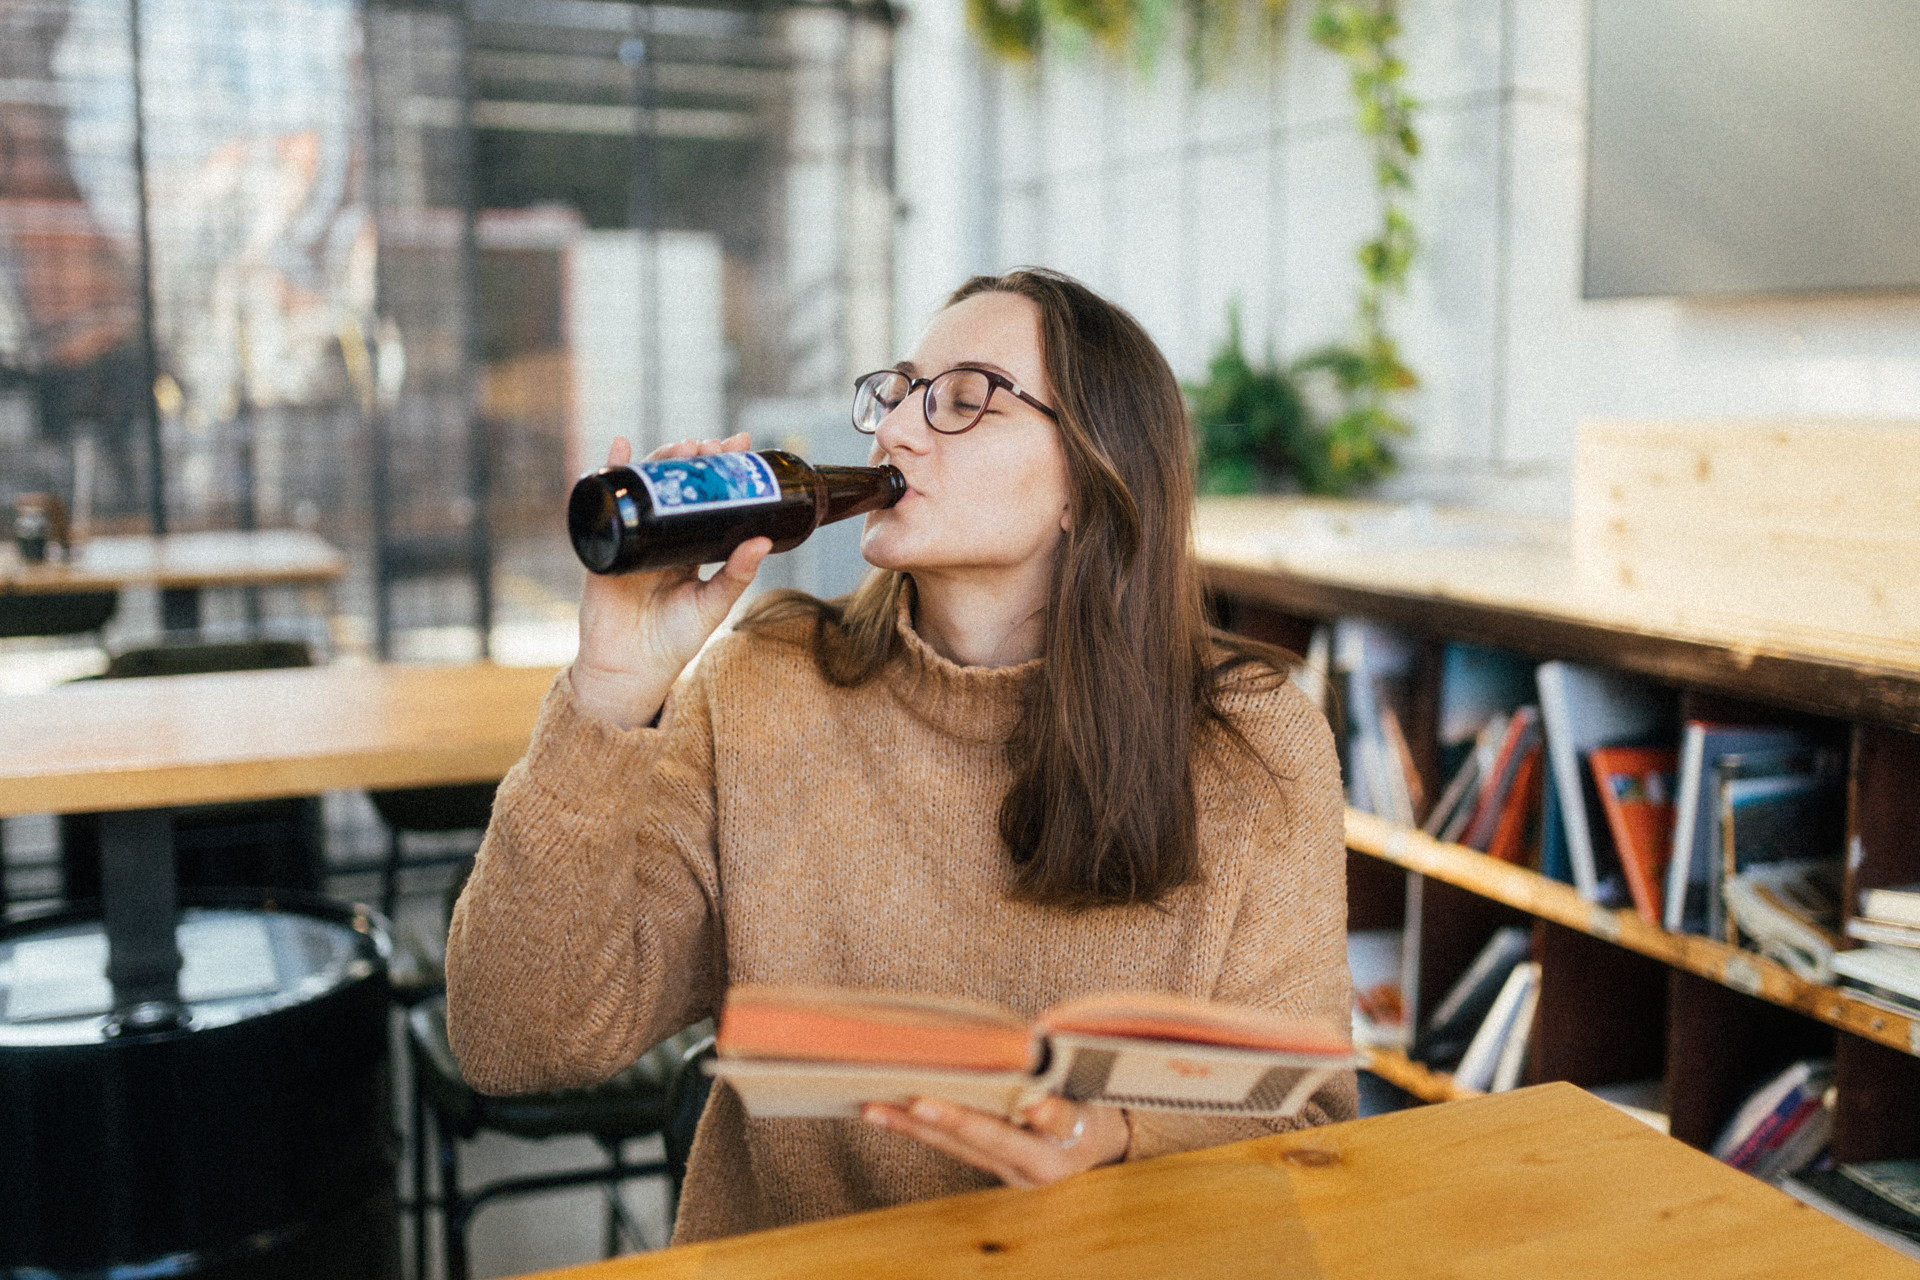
1174, 200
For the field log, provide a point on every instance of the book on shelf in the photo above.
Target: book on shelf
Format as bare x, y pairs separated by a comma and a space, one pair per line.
1399, 757
1476, 684
1692, 868
1461, 797
1899, 905
1879, 1198
1447, 1034
1516, 834
1497, 786
1481, 1062
1768, 1136
1789, 911
1890, 974
819, 1052
1583, 708
1774, 806
1636, 794
1556, 862
1371, 666
1508, 1070
1884, 933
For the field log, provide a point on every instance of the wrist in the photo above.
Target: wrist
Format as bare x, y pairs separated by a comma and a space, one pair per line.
624, 699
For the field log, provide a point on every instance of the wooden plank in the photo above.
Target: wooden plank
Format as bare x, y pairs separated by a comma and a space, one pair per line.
267, 557
1855, 690
1798, 524
1417, 1078
174, 740
1546, 1181
1716, 961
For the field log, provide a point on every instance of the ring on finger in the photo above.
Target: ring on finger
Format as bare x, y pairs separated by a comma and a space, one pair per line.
1072, 1139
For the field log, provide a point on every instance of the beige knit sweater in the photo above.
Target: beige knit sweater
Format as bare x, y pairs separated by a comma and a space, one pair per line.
776, 829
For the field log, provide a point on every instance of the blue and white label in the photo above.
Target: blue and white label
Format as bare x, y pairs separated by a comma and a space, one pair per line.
710, 483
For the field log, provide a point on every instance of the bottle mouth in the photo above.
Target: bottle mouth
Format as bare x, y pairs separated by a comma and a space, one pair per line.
594, 518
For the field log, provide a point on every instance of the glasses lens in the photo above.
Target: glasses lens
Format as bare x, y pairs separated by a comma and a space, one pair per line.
875, 398
956, 399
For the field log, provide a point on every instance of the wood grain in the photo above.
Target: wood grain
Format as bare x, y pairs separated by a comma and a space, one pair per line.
268, 557
1533, 893
174, 740
1538, 1182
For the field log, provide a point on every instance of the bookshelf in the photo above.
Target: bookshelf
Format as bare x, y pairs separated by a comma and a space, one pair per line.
1620, 999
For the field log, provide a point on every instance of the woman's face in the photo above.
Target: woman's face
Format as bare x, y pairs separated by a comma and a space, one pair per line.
991, 499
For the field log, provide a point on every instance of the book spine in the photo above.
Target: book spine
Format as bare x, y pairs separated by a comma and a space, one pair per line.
1773, 1128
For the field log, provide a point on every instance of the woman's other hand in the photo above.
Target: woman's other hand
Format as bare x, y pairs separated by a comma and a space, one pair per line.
1060, 1138
638, 631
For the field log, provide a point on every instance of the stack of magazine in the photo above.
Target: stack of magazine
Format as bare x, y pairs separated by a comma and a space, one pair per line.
1887, 969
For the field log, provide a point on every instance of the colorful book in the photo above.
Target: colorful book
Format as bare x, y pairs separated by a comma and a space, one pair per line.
819, 1052
1769, 1109
1511, 834
1583, 708
1636, 794
1523, 733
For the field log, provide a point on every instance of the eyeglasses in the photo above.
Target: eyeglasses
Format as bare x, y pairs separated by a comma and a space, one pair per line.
956, 400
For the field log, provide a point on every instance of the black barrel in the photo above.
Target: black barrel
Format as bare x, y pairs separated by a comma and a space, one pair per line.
256, 1140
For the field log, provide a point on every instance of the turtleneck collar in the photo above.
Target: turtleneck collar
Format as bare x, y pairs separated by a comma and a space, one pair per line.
975, 704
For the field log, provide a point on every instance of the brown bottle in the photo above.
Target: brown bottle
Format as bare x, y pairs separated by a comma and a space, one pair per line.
675, 512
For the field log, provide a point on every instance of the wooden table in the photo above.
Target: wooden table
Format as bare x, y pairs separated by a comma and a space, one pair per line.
181, 565
132, 749
1545, 1183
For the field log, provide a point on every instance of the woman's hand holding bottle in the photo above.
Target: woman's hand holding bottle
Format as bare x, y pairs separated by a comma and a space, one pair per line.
638, 631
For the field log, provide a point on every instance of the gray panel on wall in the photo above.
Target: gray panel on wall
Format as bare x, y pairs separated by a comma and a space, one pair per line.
1753, 146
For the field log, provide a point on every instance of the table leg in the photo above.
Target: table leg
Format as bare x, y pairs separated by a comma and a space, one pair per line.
138, 898
180, 609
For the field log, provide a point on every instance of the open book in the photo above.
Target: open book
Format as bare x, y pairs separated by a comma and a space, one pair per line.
816, 1052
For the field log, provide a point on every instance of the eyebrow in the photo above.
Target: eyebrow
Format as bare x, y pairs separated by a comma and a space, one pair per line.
912, 370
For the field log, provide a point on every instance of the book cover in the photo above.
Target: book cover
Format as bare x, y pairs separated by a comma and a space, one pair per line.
1774, 806
814, 1052
1893, 969
1899, 905
1583, 708
1523, 731
1513, 1054
1519, 814
1482, 1058
1636, 794
1768, 1107
1691, 866
1486, 753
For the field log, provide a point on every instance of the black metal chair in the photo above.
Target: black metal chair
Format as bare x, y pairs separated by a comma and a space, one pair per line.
458, 807
260, 844
656, 1095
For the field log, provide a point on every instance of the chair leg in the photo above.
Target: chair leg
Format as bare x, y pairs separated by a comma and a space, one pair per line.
390, 876
613, 1203
454, 1210
420, 1192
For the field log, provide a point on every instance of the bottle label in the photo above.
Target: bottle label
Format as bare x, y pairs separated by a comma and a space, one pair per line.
680, 486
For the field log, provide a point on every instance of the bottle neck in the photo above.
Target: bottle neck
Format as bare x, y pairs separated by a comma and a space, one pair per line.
853, 491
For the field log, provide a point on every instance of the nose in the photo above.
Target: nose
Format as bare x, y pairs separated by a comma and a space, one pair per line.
905, 428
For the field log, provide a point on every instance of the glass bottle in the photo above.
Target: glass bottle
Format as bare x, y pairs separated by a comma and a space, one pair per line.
673, 512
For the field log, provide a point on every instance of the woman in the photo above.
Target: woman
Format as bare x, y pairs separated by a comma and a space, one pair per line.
1013, 766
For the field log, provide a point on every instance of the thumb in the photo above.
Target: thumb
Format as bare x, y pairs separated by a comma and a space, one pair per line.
719, 593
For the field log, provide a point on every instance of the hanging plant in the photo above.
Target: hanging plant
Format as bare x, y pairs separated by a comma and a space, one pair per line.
1360, 377
1020, 30
1250, 427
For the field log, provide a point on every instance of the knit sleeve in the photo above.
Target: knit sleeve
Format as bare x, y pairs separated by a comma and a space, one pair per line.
589, 929
1287, 949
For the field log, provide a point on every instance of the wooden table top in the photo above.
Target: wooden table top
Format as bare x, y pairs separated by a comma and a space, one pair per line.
267, 557
174, 740
1541, 1182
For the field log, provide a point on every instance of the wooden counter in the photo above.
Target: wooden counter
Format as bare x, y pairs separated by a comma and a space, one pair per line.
1542, 1182
1510, 582
181, 561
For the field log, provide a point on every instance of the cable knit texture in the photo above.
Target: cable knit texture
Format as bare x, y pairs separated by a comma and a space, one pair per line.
776, 829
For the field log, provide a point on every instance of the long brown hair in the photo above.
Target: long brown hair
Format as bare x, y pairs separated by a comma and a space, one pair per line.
1101, 808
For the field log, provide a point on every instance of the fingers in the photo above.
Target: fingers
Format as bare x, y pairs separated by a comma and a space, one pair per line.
620, 452
971, 1137
718, 593
734, 443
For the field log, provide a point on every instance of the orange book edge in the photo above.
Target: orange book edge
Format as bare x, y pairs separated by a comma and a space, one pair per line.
1643, 851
